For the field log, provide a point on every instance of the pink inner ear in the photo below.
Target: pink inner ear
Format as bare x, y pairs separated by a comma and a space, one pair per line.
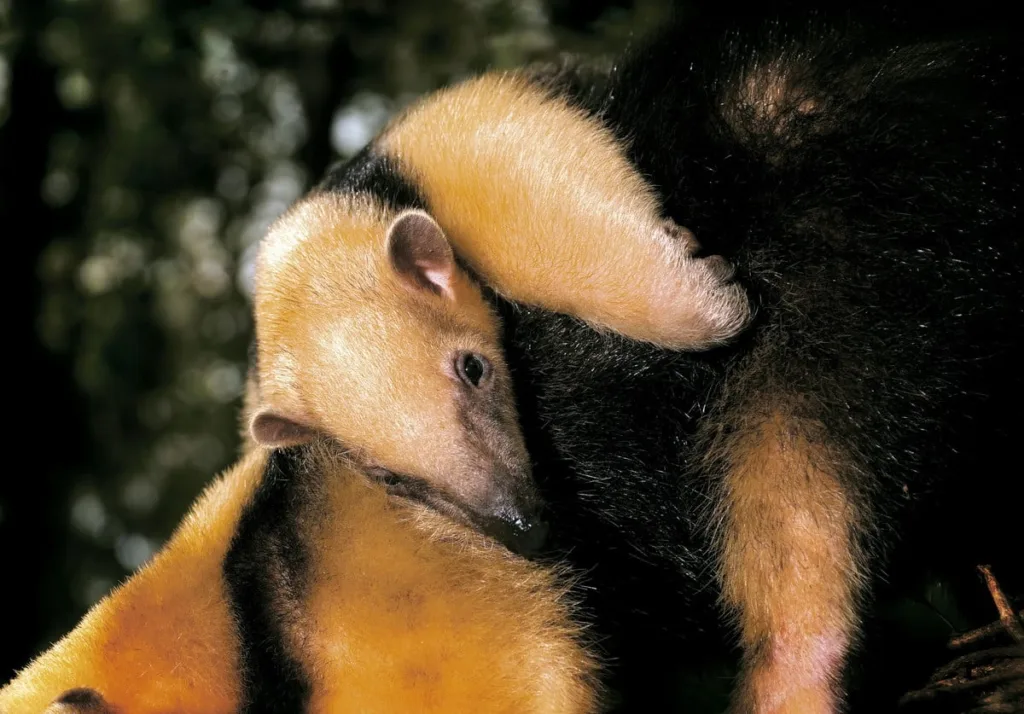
420, 254
275, 431
440, 277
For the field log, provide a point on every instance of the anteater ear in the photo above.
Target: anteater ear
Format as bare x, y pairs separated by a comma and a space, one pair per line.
79, 701
420, 254
268, 428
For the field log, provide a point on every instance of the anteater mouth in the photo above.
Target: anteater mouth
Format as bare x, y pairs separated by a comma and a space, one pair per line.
512, 532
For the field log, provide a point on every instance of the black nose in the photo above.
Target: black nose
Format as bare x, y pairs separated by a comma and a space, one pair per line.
524, 533
528, 537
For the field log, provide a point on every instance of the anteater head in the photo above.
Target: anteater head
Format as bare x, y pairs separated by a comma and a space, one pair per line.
370, 333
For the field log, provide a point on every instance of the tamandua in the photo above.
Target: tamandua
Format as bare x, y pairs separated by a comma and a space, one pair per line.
370, 324
860, 167
296, 584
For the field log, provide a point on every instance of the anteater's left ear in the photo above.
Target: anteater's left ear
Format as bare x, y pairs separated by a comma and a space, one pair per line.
79, 701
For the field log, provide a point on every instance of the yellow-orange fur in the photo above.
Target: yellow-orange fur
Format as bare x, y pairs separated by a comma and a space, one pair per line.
543, 203
789, 568
468, 626
347, 350
406, 612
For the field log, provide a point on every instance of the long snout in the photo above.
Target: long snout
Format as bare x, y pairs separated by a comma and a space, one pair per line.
498, 486
515, 517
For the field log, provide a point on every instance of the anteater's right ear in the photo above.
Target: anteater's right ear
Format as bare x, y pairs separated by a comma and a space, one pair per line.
420, 254
268, 428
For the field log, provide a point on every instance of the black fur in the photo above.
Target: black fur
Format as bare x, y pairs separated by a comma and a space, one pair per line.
253, 357
373, 174
266, 570
369, 172
874, 217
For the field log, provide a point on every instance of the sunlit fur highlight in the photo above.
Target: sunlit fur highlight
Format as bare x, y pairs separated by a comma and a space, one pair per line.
346, 348
406, 612
542, 202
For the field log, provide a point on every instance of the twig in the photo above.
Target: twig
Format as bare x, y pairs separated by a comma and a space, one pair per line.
971, 673
1007, 616
974, 660
981, 633
1000, 669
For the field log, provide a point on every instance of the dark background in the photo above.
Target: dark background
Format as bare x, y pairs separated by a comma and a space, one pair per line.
144, 147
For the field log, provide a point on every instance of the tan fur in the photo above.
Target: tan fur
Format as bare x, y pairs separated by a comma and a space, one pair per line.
775, 105
770, 96
468, 627
250, 406
789, 569
543, 203
345, 348
406, 613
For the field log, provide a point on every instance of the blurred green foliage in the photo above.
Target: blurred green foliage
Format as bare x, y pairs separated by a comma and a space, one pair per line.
146, 146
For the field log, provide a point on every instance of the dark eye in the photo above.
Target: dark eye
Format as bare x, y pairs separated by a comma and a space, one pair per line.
382, 475
473, 369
